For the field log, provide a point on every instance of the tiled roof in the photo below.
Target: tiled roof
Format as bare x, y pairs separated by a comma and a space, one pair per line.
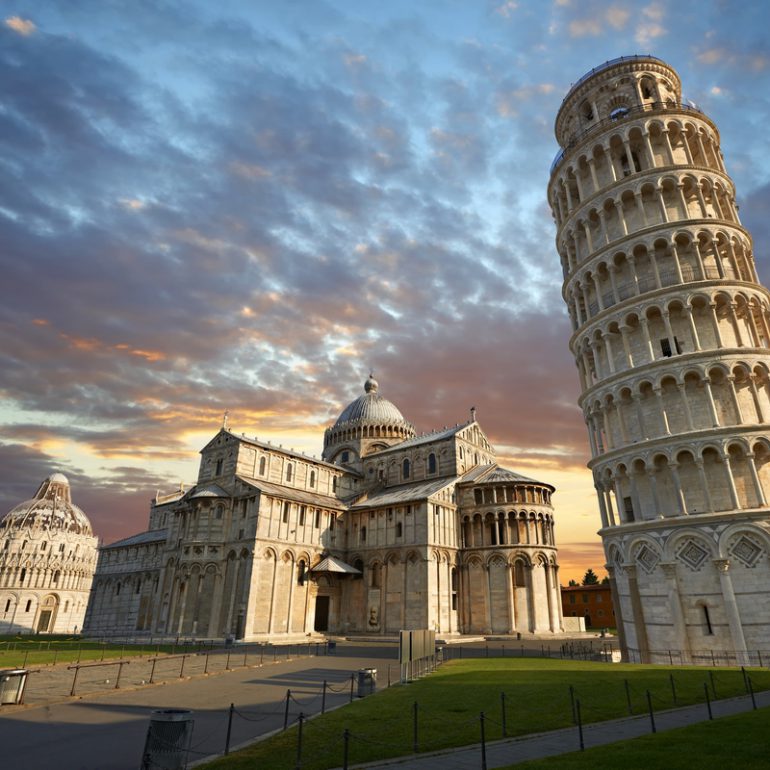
151, 536
403, 493
426, 439
289, 493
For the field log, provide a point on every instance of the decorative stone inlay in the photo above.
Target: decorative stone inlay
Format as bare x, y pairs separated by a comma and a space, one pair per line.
647, 558
747, 551
692, 554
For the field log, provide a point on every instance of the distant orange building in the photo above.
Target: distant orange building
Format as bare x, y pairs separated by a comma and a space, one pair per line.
594, 603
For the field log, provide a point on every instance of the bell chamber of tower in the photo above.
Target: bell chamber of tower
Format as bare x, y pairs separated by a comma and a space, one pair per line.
671, 330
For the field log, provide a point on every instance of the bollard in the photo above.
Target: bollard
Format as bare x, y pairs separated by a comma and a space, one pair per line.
286, 710
345, 744
298, 764
580, 727
502, 707
751, 692
628, 697
652, 715
483, 743
708, 702
229, 729
323, 699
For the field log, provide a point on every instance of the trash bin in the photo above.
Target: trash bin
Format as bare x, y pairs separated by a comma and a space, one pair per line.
12, 684
331, 647
367, 680
229, 640
168, 740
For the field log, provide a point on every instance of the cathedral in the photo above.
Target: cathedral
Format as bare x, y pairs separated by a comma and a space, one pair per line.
387, 531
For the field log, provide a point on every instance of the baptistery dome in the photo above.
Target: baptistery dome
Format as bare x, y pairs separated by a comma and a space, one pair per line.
50, 509
47, 562
368, 423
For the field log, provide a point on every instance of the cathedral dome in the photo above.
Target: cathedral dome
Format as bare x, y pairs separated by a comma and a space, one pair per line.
370, 422
51, 509
370, 408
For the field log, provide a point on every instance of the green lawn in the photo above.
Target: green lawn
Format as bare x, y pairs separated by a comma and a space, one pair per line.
737, 741
17, 651
537, 697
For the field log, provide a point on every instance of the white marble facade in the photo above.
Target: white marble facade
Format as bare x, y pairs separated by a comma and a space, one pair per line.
47, 561
671, 330
388, 531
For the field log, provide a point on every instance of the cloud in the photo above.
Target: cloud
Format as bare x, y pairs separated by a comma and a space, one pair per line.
506, 9
617, 16
653, 25
23, 27
585, 27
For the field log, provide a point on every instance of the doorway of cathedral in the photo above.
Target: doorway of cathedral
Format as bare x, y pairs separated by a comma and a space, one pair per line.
46, 618
321, 613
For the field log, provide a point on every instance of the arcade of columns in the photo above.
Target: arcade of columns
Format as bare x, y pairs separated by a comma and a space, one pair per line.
671, 330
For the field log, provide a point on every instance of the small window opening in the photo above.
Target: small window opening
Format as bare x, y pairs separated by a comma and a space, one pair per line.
302, 510
301, 572
399, 529
312, 478
29, 604
406, 469
218, 471
22, 576
317, 523
431, 463
285, 517
628, 508
289, 471
262, 466
363, 534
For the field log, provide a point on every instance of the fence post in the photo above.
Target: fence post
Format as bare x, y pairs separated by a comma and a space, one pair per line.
628, 698
572, 702
745, 679
673, 688
152, 671
708, 702
206, 667
580, 726
759, 656
299, 741
261, 653
652, 715
751, 692
352, 682
286, 710
502, 704
414, 728
181, 668
487, 650
245, 653
483, 743
74, 680
120, 671
345, 745
323, 699
713, 686
227, 662
229, 729
26, 655
670, 658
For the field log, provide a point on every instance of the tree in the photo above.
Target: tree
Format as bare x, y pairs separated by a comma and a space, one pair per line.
590, 579
606, 580
572, 583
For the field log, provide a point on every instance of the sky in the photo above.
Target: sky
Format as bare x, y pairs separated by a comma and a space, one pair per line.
246, 206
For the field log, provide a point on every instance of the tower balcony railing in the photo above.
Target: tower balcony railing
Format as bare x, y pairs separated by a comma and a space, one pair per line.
618, 116
648, 284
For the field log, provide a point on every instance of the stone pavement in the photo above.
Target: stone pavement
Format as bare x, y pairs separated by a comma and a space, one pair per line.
507, 752
106, 731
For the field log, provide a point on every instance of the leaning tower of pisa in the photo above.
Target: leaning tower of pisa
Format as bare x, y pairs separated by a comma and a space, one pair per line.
670, 337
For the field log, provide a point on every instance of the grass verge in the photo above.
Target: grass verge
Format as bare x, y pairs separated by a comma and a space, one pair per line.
735, 741
538, 695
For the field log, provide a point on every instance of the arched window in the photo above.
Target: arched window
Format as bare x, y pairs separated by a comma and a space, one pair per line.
406, 469
312, 478
376, 572
22, 575
301, 569
431, 463
29, 604
262, 465
289, 471
477, 496
117, 590
363, 534
56, 577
